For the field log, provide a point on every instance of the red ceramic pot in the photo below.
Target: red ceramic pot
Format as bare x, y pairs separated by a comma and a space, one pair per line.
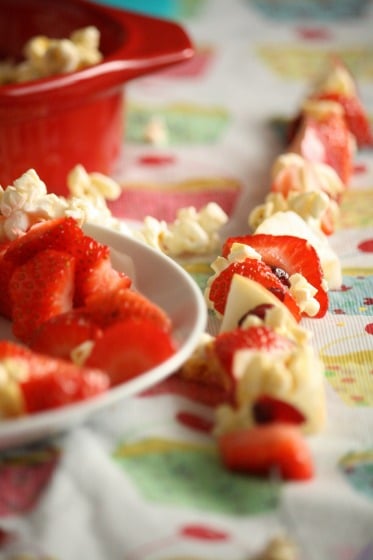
54, 123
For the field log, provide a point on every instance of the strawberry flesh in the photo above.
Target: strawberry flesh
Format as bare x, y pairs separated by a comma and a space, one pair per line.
41, 288
59, 335
51, 382
325, 140
261, 338
275, 448
110, 306
129, 348
355, 115
269, 409
7, 268
94, 271
61, 234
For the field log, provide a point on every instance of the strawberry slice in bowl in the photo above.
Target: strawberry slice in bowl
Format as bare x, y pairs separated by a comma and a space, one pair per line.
129, 348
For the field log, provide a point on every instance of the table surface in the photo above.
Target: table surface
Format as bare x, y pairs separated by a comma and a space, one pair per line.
142, 481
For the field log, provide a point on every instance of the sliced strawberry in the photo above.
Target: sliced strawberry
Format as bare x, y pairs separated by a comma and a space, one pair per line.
94, 271
61, 234
328, 221
269, 409
269, 448
62, 333
129, 348
287, 255
41, 288
108, 307
325, 139
50, 382
261, 338
355, 115
255, 270
6, 270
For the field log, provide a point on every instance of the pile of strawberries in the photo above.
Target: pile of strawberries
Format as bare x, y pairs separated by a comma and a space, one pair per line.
62, 295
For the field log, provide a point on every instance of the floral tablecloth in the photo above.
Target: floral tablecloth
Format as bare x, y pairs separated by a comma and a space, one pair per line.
143, 480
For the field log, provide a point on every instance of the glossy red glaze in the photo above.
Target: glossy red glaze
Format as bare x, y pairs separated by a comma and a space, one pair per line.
52, 124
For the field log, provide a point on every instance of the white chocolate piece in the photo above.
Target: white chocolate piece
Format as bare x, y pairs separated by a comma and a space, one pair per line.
246, 294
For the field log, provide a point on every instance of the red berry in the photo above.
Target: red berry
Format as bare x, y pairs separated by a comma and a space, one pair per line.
130, 348
260, 338
51, 382
62, 333
41, 288
110, 306
269, 409
7, 268
269, 448
94, 271
327, 140
355, 115
61, 234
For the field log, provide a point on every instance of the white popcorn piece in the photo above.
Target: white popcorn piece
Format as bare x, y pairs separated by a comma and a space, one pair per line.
303, 292
192, 231
27, 201
80, 353
306, 175
12, 371
241, 251
151, 233
280, 547
92, 185
336, 79
46, 56
156, 131
304, 187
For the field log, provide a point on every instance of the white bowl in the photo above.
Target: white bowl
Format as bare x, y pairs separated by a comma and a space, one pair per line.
161, 280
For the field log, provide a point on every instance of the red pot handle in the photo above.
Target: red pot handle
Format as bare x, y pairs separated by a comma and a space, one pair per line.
151, 43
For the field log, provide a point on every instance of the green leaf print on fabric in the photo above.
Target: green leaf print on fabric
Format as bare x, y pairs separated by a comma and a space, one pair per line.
189, 475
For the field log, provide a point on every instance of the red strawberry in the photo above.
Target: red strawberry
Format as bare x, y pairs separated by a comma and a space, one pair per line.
129, 348
41, 288
287, 255
355, 115
268, 448
61, 234
325, 139
94, 271
62, 333
50, 382
255, 270
6, 271
328, 221
108, 307
261, 338
269, 409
